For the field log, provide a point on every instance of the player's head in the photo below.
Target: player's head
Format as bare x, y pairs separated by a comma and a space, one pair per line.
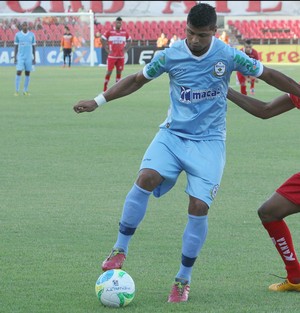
24, 27
201, 27
67, 29
118, 22
248, 46
202, 15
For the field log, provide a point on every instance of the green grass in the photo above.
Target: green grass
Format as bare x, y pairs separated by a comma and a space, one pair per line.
64, 178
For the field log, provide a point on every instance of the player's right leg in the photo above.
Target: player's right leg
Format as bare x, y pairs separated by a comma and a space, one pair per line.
20, 66
242, 82
284, 202
110, 66
134, 210
157, 163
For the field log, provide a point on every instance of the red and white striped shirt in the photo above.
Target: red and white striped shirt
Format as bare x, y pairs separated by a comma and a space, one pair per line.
116, 40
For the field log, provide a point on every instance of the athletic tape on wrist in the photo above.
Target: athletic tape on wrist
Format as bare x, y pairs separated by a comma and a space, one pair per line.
100, 100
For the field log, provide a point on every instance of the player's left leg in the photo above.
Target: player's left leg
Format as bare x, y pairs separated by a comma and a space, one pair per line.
204, 159
119, 69
193, 239
28, 69
284, 202
252, 86
26, 83
69, 57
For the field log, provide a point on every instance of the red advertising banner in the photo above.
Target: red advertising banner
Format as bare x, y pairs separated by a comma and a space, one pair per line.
153, 8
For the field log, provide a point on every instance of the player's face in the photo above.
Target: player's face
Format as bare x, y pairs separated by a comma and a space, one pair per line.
24, 27
118, 24
248, 48
199, 39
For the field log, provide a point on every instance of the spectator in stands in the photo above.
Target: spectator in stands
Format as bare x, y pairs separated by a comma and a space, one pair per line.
66, 45
97, 40
224, 37
173, 39
78, 40
24, 56
116, 43
243, 80
162, 41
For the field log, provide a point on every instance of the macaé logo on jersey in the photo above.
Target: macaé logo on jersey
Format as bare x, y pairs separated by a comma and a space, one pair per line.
187, 95
220, 69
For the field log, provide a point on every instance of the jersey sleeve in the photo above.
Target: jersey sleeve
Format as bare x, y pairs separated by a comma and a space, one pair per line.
246, 65
156, 67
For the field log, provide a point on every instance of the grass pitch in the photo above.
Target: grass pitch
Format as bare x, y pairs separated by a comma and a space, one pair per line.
64, 178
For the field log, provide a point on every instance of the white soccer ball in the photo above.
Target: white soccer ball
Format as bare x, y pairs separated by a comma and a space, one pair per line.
115, 288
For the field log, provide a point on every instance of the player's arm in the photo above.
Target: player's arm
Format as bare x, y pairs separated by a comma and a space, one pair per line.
16, 52
124, 87
280, 81
128, 45
33, 52
260, 108
105, 45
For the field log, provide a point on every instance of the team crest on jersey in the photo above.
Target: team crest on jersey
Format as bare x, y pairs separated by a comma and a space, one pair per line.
214, 191
220, 69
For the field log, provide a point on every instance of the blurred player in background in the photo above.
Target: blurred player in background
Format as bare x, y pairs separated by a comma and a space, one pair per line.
243, 80
224, 37
285, 200
66, 46
162, 41
192, 139
116, 43
24, 57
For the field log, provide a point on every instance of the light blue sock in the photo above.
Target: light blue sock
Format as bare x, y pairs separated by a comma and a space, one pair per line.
134, 210
193, 239
18, 82
26, 83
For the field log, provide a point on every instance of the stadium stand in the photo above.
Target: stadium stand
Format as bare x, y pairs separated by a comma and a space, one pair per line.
267, 31
146, 32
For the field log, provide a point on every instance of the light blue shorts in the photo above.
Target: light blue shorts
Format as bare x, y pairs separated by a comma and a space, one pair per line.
24, 65
203, 161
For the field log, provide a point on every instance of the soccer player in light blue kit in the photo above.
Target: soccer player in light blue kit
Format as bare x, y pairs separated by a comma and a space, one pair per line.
191, 139
24, 57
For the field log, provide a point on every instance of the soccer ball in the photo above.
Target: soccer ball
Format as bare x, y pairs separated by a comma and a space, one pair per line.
115, 288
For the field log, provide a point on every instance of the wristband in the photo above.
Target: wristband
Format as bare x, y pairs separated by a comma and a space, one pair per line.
100, 100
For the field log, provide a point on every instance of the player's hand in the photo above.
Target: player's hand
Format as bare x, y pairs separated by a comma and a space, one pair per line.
85, 106
15, 61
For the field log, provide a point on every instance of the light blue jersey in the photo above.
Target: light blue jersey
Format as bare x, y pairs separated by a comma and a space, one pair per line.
199, 86
25, 41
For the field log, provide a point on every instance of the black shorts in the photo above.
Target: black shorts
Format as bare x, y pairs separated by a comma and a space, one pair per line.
67, 51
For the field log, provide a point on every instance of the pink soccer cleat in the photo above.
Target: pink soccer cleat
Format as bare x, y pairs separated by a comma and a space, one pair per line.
179, 292
114, 261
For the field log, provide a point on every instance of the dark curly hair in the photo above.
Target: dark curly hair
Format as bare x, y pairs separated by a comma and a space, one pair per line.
202, 14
